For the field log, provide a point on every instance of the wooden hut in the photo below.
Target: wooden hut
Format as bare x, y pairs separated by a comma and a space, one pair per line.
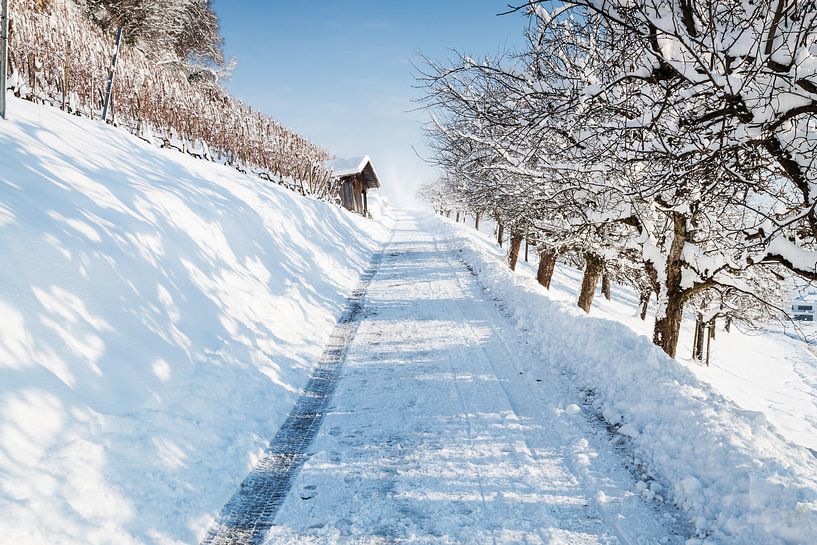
354, 177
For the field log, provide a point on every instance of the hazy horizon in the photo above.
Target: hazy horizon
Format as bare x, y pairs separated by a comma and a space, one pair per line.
342, 76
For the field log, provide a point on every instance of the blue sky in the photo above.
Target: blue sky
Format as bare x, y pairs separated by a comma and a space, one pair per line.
339, 72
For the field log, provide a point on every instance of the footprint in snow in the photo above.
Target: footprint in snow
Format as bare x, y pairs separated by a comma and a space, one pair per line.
309, 492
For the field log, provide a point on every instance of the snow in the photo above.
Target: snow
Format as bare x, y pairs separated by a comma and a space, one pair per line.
801, 258
701, 433
158, 316
348, 166
445, 428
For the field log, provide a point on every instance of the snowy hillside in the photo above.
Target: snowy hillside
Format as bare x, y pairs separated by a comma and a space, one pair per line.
714, 449
158, 314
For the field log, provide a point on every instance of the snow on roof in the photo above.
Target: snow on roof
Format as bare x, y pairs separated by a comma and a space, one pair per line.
354, 165
348, 166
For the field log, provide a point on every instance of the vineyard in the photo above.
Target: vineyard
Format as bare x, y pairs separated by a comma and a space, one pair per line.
60, 57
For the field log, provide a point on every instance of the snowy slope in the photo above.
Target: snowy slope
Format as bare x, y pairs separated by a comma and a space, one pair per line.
762, 370
770, 370
158, 314
739, 478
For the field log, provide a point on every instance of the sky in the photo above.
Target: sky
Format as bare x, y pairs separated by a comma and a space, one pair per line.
340, 72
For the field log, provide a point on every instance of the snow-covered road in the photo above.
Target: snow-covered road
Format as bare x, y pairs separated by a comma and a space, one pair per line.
443, 429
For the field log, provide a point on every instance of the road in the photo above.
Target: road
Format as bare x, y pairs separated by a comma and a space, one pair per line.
444, 428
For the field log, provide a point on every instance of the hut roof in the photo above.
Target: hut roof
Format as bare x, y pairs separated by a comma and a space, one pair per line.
352, 166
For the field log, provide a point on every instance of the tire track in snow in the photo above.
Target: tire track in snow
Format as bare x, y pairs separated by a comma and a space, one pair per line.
426, 447
673, 519
456, 269
249, 514
456, 265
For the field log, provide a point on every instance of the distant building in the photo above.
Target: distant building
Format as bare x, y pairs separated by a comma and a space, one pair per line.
804, 307
355, 177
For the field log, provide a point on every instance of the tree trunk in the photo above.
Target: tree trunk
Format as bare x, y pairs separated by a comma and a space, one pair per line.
593, 268
458, 216
547, 264
668, 325
526, 250
513, 250
476, 222
645, 303
500, 233
605, 286
727, 324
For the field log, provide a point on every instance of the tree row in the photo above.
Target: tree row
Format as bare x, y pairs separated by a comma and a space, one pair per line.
668, 145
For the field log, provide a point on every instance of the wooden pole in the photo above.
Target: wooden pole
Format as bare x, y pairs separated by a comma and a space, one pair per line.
695, 334
4, 56
710, 335
111, 72
66, 76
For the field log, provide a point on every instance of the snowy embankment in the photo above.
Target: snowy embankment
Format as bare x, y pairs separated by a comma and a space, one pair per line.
740, 480
158, 314
770, 370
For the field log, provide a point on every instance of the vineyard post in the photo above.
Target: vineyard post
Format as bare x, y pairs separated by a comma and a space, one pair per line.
4, 36
109, 83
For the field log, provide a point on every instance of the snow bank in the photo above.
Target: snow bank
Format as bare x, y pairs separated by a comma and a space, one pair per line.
740, 481
158, 314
